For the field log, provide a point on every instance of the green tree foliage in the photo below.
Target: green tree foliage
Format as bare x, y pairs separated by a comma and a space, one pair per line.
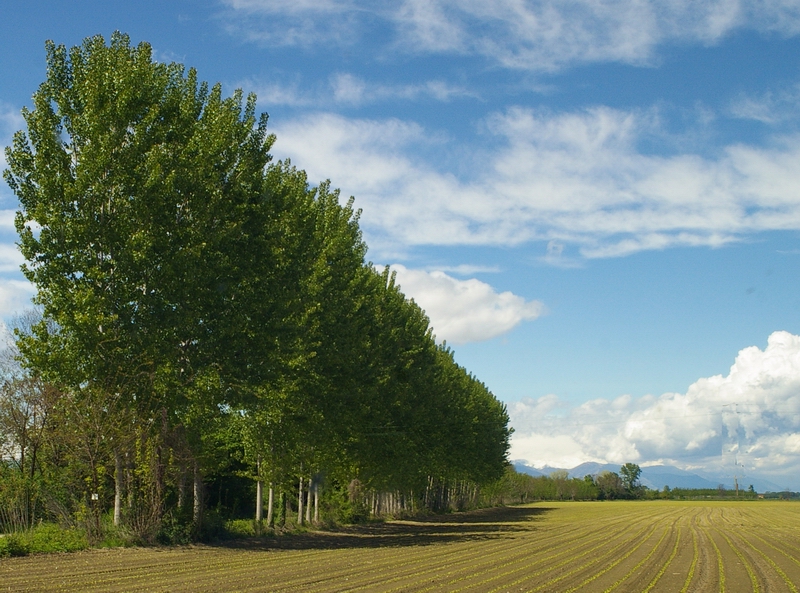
630, 473
515, 487
610, 485
208, 317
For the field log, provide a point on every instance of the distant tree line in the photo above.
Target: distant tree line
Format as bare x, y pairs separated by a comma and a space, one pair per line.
515, 487
720, 492
783, 495
210, 340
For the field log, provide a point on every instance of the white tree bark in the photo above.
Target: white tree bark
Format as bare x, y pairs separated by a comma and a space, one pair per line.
117, 488
259, 500
259, 492
300, 502
308, 502
197, 508
316, 502
270, 505
181, 487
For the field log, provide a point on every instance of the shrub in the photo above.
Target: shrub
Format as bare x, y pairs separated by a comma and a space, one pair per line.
12, 545
44, 538
175, 530
49, 537
241, 528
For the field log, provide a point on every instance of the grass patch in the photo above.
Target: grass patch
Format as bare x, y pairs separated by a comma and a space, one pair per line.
44, 538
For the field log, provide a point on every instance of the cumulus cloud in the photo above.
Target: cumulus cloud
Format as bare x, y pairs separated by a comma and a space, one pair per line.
745, 422
541, 35
566, 178
464, 311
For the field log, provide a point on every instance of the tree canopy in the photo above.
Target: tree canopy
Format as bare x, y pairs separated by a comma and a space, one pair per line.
208, 316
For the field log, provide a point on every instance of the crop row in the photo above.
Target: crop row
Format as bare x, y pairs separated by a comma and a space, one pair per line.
609, 546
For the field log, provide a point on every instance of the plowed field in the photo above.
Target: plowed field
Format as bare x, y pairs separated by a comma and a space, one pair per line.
606, 546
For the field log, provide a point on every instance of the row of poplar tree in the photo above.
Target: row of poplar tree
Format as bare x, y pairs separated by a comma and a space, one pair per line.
208, 326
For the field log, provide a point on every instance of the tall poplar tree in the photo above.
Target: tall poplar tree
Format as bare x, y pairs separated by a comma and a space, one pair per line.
133, 180
200, 300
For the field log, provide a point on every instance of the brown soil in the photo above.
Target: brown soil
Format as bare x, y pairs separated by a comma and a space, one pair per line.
612, 546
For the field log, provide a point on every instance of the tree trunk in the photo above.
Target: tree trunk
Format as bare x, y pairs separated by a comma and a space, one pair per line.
259, 500
259, 492
300, 503
161, 467
117, 488
95, 531
316, 502
197, 509
270, 503
129, 482
308, 503
181, 488
426, 498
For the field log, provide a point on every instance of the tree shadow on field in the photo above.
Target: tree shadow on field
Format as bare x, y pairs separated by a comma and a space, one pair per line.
480, 525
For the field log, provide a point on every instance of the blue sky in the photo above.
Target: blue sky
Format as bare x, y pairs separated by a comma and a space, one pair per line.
597, 203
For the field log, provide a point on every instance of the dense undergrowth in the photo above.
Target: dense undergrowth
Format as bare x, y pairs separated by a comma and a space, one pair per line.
43, 538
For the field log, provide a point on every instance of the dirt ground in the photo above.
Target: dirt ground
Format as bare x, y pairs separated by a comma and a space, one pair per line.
659, 546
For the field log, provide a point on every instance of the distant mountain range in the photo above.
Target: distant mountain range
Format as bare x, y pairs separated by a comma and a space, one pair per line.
656, 476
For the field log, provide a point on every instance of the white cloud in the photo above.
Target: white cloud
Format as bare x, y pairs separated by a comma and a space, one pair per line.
464, 311
10, 121
465, 269
292, 6
10, 257
7, 220
554, 256
290, 22
750, 417
772, 107
537, 35
15, 296
352, 90
348, 89
345, 89
272, 94
567, 178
